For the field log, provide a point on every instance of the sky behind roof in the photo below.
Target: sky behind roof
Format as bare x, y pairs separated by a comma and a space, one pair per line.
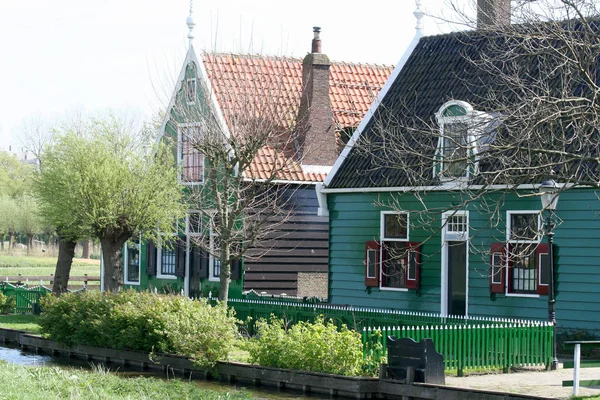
65, 55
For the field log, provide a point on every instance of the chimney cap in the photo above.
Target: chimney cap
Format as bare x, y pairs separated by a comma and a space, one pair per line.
316, 42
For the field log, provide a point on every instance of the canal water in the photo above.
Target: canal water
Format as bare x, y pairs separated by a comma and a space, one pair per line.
16, 356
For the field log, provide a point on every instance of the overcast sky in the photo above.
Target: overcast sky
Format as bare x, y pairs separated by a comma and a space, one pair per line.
65, 55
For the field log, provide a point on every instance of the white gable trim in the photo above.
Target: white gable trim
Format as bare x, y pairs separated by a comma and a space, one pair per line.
202, 75
363, 123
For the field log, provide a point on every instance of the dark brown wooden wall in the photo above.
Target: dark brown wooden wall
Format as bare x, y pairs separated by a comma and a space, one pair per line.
302, 246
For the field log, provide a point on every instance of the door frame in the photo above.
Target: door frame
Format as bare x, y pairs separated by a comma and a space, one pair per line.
453, 237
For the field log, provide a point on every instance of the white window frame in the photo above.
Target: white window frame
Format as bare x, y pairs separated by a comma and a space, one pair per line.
475, 122
180, 128
126, 269
194, 91
453, 236
382, 241
188, 231
159, 273
510, 241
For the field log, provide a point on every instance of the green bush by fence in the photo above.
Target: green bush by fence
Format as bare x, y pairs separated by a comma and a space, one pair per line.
141, 321
466, 342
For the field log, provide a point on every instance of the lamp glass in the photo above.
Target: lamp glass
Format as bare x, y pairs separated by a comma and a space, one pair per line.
549, 195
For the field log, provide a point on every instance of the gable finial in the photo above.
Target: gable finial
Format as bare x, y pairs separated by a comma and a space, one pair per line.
190, 23
419, 16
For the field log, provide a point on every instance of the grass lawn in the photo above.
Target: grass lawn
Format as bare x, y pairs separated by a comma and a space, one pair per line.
20, 382
20, 322
43, 266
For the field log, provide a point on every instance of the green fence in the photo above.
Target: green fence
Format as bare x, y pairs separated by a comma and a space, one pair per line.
26, 298
294, 310
479, 346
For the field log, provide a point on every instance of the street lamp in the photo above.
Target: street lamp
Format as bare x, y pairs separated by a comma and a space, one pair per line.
549, 193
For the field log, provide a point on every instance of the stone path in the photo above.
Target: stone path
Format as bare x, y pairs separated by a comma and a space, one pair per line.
537, 383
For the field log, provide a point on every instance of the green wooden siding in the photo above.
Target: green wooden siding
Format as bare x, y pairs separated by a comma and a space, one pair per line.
354, 219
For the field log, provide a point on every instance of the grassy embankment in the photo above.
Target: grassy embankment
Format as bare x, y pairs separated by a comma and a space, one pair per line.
21, 382
13, 265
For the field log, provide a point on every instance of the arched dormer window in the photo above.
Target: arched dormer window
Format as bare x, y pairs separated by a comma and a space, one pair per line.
457, 149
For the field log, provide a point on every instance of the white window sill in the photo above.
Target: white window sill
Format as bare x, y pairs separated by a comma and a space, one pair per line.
161, 276
531, 296
393, 289
132, 283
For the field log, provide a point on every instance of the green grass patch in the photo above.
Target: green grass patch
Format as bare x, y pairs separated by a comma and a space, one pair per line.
28, 323
43, 266
21, 382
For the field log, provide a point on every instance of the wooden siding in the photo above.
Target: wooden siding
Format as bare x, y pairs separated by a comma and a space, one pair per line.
301, 245
354, 219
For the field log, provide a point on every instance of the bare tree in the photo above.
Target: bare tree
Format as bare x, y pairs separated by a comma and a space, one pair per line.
530, 90
245, 152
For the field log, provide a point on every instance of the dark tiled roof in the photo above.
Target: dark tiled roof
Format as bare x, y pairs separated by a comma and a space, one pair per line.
439, 69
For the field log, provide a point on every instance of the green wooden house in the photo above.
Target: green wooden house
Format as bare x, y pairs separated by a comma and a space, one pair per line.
419, 218
314, 93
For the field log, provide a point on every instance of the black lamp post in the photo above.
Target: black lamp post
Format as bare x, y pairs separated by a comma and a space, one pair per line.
549, 193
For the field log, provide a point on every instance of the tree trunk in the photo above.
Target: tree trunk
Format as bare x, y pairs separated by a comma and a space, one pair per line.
225, 277
2, 241
29, 243
86, 249
10, 240
66, 252
112, 256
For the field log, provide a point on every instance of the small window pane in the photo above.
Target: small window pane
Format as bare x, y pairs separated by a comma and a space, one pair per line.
455, 150
192, 160
167, 259
497, 268
524, 227
544, 269
394, 266
395, 226
133, 262
191, 91
523, 268
412, 265
371, 263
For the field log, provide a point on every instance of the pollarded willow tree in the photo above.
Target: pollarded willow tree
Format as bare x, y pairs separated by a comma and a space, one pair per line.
103, 184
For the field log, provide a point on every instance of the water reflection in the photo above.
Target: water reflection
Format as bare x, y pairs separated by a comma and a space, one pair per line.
16, 356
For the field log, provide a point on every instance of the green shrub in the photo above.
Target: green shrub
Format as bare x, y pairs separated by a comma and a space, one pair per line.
7, 304
317, 347
141, 321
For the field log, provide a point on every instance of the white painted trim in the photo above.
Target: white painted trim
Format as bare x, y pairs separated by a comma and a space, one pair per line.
448, 186
323, 210
389, 289
282, 181
212, 259
381, 246
201, 75
382, 226
126, 267
380, 96
509, 227
186, 275
159, 274
509, 241
444, 263
531, 296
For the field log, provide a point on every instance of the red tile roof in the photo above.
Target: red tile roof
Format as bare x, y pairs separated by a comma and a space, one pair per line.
352, 89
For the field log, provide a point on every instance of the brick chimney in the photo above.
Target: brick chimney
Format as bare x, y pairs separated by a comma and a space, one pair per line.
315, 130
492, 13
